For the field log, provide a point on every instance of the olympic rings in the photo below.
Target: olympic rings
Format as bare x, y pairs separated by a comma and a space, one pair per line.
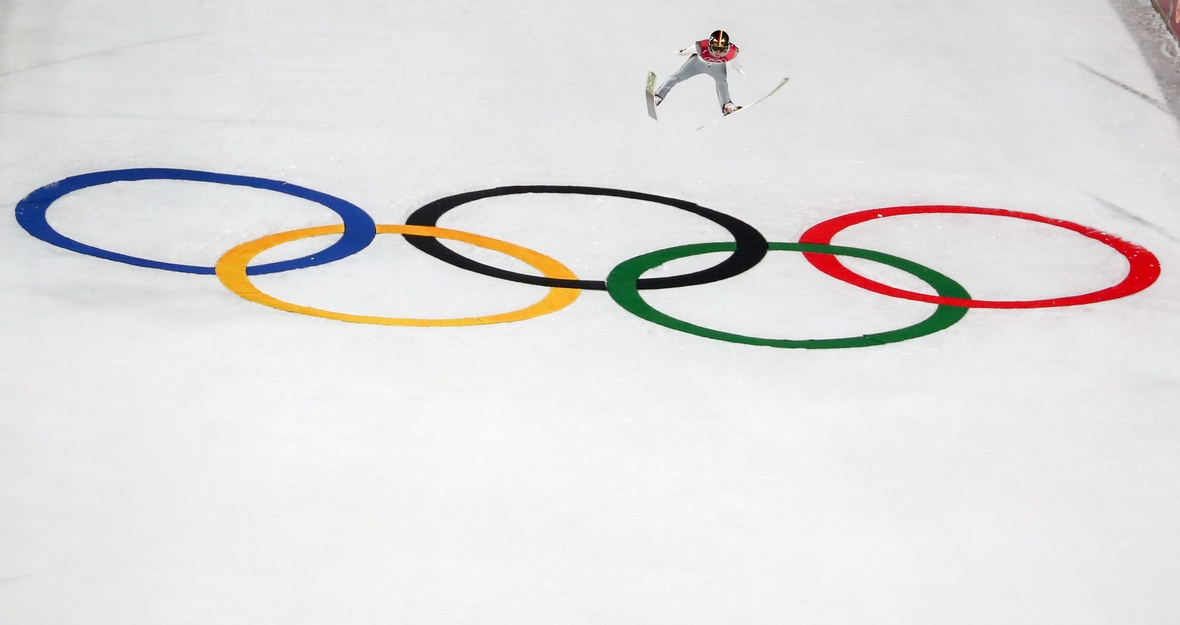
30, 214
749, 251
231, 270
622, 280
1143, 272
624, 283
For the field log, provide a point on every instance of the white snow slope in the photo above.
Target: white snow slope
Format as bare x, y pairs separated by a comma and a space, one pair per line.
173, 453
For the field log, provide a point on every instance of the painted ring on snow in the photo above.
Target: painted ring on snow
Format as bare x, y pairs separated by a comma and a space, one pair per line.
1143, 272
358, 227
622, 280
231, 270
749, 244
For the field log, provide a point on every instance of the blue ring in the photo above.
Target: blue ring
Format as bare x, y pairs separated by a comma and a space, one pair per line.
359, 229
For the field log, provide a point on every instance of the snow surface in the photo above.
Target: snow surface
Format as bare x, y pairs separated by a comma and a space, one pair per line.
171, 453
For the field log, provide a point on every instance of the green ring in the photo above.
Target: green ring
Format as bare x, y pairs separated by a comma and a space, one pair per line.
621, 286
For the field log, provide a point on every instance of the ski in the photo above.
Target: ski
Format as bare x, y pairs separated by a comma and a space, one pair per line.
651, 95
772, 92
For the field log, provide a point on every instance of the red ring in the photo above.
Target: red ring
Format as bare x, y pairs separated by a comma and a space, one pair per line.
1145, 267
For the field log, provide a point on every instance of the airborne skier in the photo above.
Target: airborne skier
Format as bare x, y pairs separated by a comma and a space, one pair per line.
707, 56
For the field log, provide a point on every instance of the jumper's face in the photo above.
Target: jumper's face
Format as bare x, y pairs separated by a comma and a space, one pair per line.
717, 49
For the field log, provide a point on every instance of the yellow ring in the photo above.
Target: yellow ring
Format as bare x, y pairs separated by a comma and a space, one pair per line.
231, 270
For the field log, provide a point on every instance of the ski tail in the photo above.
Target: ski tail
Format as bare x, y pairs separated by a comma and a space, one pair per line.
651, 94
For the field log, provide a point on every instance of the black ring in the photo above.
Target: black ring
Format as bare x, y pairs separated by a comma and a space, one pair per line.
751, 245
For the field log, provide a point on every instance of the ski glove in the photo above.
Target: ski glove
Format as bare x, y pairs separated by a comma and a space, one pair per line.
689, 51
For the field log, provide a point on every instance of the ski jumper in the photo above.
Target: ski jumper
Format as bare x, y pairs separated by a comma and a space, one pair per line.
703, 61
